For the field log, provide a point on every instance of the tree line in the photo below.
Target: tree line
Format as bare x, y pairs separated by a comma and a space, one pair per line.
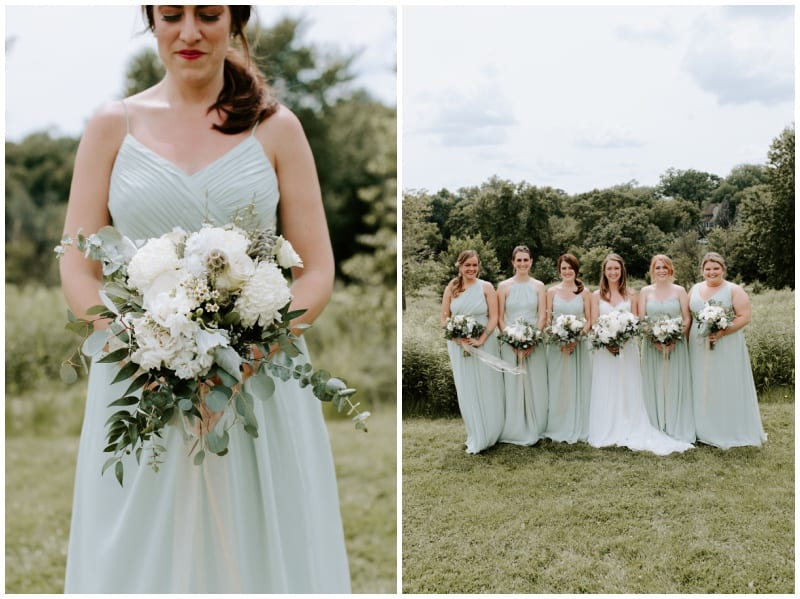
352, 136
747, 216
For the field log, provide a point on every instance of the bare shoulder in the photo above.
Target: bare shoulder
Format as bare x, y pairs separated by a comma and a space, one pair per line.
680, 289
108, 123
280, 127
487, 286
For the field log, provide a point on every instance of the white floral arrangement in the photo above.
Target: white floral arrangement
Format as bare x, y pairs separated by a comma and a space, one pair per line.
190, 315
713, 317
663, 329
521, 335
613, 329
564, 329
462, 326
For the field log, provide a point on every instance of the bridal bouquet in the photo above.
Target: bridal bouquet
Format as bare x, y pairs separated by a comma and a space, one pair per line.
613, 329
460, 326
564, 329
521, 335
713, 317
190, 315
662, 329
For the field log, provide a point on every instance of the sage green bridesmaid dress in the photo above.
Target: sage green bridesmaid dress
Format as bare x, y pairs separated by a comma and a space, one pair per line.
525, 394
479, 387
262, 519
667, 381
725, 401
569, 381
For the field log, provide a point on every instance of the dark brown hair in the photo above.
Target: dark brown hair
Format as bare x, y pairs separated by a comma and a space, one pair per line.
457, 285
573, 262
245, 99
605, 292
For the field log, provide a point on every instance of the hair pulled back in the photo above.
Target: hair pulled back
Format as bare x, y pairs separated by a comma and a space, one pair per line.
456, 285
713, 257
245, 99
605, 291
667, 262
573, 262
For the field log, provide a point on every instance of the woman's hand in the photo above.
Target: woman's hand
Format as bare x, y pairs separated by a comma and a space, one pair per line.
613, 349
524, 353
664, 348
569, 347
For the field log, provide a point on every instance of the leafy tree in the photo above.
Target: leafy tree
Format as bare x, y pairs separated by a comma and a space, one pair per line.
421, 238
490, 268
144, 71
692, 185
780, 174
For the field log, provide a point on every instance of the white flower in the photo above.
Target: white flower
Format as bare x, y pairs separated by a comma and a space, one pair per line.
154, 258
263, 296
230, 245
285, 254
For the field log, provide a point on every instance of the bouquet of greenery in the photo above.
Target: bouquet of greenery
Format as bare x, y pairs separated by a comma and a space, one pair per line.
461, 326
189, 316
713, 317
613, 329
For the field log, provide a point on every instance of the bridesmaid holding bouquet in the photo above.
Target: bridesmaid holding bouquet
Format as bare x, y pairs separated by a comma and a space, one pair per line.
523, 300
569, 374
666, 378
479, 388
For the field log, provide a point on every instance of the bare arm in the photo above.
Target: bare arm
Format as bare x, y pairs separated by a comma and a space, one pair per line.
301, 212
549, 311
446, 299
594, 312
642, 311
683, 298
542, 306
491, 301
87, 209
502, 294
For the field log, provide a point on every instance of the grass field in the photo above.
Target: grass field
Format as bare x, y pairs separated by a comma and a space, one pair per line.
557, 518
39, 478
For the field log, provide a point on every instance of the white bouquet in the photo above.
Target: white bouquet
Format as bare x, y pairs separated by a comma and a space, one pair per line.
190, 314
713, 317
663, 329
462, 326
613, 329
564, 329
521, 335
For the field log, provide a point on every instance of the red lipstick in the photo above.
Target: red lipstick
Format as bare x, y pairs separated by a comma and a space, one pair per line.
190, 54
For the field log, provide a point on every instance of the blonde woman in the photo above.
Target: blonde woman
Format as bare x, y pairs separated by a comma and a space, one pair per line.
479, 388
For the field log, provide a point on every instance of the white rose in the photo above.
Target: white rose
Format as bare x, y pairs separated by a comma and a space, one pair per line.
153, 259
263, 296
285, 254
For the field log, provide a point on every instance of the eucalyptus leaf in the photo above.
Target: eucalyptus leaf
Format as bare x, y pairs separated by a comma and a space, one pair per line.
229, 360
98, 309
217, 442
68, 373
217, 399
261, 386
185, 404
118, 472
226, 378
95, 342
199, 457
243, 403
108, 303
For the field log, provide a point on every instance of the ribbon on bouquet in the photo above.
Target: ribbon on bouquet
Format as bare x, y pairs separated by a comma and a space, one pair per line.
493, 361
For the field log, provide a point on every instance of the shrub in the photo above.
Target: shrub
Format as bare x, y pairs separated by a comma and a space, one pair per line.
428, 387
770, 338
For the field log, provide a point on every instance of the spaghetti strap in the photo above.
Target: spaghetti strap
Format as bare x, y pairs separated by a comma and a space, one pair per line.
127, 121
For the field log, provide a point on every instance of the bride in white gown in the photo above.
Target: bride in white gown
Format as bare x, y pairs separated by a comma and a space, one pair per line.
617, 413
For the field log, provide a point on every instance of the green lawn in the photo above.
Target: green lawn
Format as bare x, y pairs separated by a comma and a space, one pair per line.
39, 478
557, 518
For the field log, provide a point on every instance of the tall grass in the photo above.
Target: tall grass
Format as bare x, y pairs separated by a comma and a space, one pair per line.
354, 338
427, 381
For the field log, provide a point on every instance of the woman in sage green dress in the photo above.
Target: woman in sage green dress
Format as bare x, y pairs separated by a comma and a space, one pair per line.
479, 388
725, 401
523, 297
207, 141
569, 370
666, 377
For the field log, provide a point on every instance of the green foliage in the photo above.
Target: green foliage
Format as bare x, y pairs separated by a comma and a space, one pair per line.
691, 185
490, 269
770, 338
144, 70
591, 262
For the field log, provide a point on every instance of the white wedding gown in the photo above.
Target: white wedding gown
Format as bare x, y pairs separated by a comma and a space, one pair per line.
617, 413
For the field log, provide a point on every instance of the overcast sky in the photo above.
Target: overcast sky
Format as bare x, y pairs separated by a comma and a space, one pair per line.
65, 61
579, 98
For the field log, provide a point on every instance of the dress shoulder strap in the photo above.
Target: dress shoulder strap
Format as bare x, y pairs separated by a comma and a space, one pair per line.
127, 119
